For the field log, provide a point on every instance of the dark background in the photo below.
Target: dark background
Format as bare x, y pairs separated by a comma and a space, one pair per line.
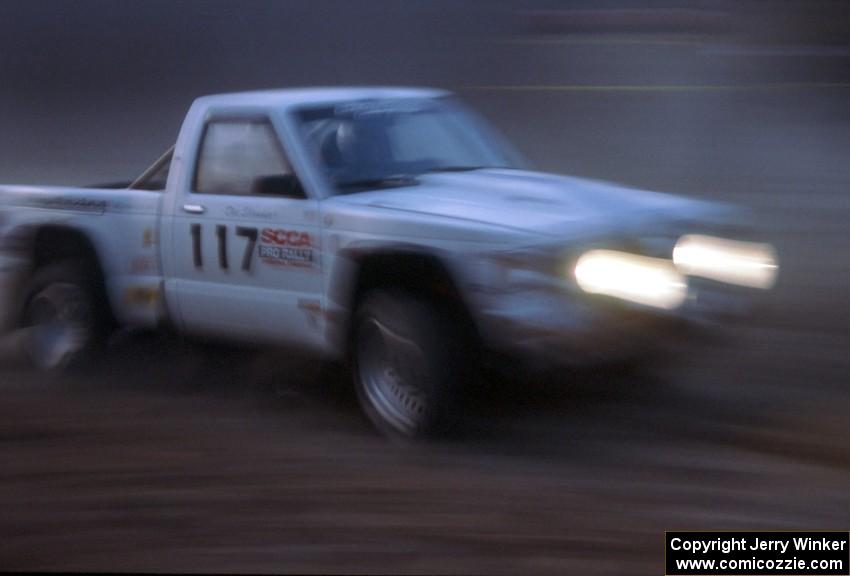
173, 461
95, 89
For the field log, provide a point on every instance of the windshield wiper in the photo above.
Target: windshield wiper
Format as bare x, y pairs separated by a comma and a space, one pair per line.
391, 181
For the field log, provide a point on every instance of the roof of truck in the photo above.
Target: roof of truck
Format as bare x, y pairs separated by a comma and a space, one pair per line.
318, 95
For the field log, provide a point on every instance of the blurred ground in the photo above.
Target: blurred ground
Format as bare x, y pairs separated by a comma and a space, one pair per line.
184, 463
173, 461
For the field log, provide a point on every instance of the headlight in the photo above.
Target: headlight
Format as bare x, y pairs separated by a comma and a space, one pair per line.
649, 281
733, 262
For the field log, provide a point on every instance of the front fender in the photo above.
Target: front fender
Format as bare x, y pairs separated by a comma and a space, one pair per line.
344, 276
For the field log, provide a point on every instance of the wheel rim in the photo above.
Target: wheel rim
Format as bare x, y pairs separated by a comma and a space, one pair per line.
59, 324
391, 369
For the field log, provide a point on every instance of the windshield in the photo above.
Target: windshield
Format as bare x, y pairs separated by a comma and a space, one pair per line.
372, 144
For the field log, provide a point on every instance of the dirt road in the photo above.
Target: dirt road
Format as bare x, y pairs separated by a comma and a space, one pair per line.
185, 463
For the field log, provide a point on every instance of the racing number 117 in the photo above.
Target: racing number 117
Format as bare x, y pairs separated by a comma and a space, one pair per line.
221, 233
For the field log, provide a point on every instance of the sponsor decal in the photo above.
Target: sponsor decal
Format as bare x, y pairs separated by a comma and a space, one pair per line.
310, 305
248, 212
70, 203
279, 247
148, 238
382, 107
142, 265
141, 296
313, 309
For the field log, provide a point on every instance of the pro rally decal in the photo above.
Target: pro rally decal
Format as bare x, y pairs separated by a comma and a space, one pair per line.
279, 247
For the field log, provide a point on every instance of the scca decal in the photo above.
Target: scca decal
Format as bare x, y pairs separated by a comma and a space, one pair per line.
287, 248
285, 237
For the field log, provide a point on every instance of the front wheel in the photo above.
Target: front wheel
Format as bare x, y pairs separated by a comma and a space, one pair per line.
64, 320
405, 364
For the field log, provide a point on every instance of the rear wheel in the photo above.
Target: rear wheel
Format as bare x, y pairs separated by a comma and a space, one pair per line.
64, 320
406, 364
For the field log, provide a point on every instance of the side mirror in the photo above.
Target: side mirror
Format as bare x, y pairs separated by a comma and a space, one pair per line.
277, 185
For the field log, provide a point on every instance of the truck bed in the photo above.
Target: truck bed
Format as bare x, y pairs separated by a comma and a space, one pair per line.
120, 224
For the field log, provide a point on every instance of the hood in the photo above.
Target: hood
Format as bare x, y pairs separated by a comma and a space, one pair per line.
537, 202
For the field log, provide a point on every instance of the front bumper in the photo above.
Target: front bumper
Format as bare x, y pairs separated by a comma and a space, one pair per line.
578, 329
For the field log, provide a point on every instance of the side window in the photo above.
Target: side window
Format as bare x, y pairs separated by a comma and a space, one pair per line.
242, 157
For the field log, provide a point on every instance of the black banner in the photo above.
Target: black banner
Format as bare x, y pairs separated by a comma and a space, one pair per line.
757, 553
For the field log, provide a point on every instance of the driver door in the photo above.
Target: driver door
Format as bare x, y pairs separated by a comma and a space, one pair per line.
246, 239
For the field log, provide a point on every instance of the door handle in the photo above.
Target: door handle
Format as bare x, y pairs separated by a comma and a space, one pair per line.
194, 208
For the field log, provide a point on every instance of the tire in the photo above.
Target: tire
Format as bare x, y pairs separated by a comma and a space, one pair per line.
64, 317
406, 365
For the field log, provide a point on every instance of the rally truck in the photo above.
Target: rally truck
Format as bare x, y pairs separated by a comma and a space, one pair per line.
393, 229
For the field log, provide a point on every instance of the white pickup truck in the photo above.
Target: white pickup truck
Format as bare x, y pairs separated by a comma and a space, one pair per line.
391, 227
